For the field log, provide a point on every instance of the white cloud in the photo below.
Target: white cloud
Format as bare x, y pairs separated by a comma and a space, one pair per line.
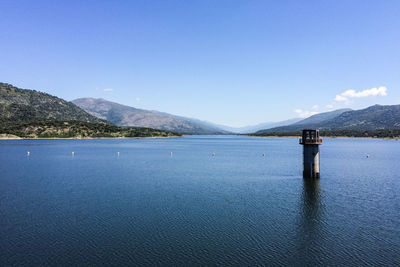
381, 91
329, 106
138, 99
304, 113
108, 90
315, 107
346, 95
340, 98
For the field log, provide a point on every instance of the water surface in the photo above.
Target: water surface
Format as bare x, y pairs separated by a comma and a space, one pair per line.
146, 207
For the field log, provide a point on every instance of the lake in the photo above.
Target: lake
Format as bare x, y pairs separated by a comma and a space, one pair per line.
236, 207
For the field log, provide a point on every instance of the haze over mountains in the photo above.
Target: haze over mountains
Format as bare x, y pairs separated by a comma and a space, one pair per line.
257, 127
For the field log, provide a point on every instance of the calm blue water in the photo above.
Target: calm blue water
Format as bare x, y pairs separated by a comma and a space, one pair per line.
235, 208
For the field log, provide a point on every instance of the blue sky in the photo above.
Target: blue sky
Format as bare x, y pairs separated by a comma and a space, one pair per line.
230, 62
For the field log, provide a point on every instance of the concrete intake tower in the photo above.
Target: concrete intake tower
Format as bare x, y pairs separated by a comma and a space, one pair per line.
310, 141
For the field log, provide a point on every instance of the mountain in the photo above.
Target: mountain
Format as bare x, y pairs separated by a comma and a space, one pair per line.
32, 114
373, 118
122, 115
257, 127
21, 105
318, 118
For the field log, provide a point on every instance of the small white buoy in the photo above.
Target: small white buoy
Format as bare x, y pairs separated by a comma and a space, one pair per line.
28, 153
367, 155
73, 153
213, 154
118, 154
170, 153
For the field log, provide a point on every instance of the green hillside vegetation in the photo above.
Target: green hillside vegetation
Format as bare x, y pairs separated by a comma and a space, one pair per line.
21, 105
76, 129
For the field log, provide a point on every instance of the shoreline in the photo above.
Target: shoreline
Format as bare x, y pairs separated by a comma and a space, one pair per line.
80, 138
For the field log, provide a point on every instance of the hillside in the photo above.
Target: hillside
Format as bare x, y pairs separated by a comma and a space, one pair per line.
21, 105
373, 118
376, 117
122, 115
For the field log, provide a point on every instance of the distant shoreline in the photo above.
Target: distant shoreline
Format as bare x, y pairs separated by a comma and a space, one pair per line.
358, 137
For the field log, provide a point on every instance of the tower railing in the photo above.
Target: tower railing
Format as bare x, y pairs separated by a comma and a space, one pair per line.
310, 141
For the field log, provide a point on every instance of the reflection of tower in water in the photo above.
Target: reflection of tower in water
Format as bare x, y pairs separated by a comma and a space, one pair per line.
311, 199
309, 236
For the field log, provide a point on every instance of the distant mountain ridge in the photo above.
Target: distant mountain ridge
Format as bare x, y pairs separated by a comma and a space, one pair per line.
377, 117
122, 115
